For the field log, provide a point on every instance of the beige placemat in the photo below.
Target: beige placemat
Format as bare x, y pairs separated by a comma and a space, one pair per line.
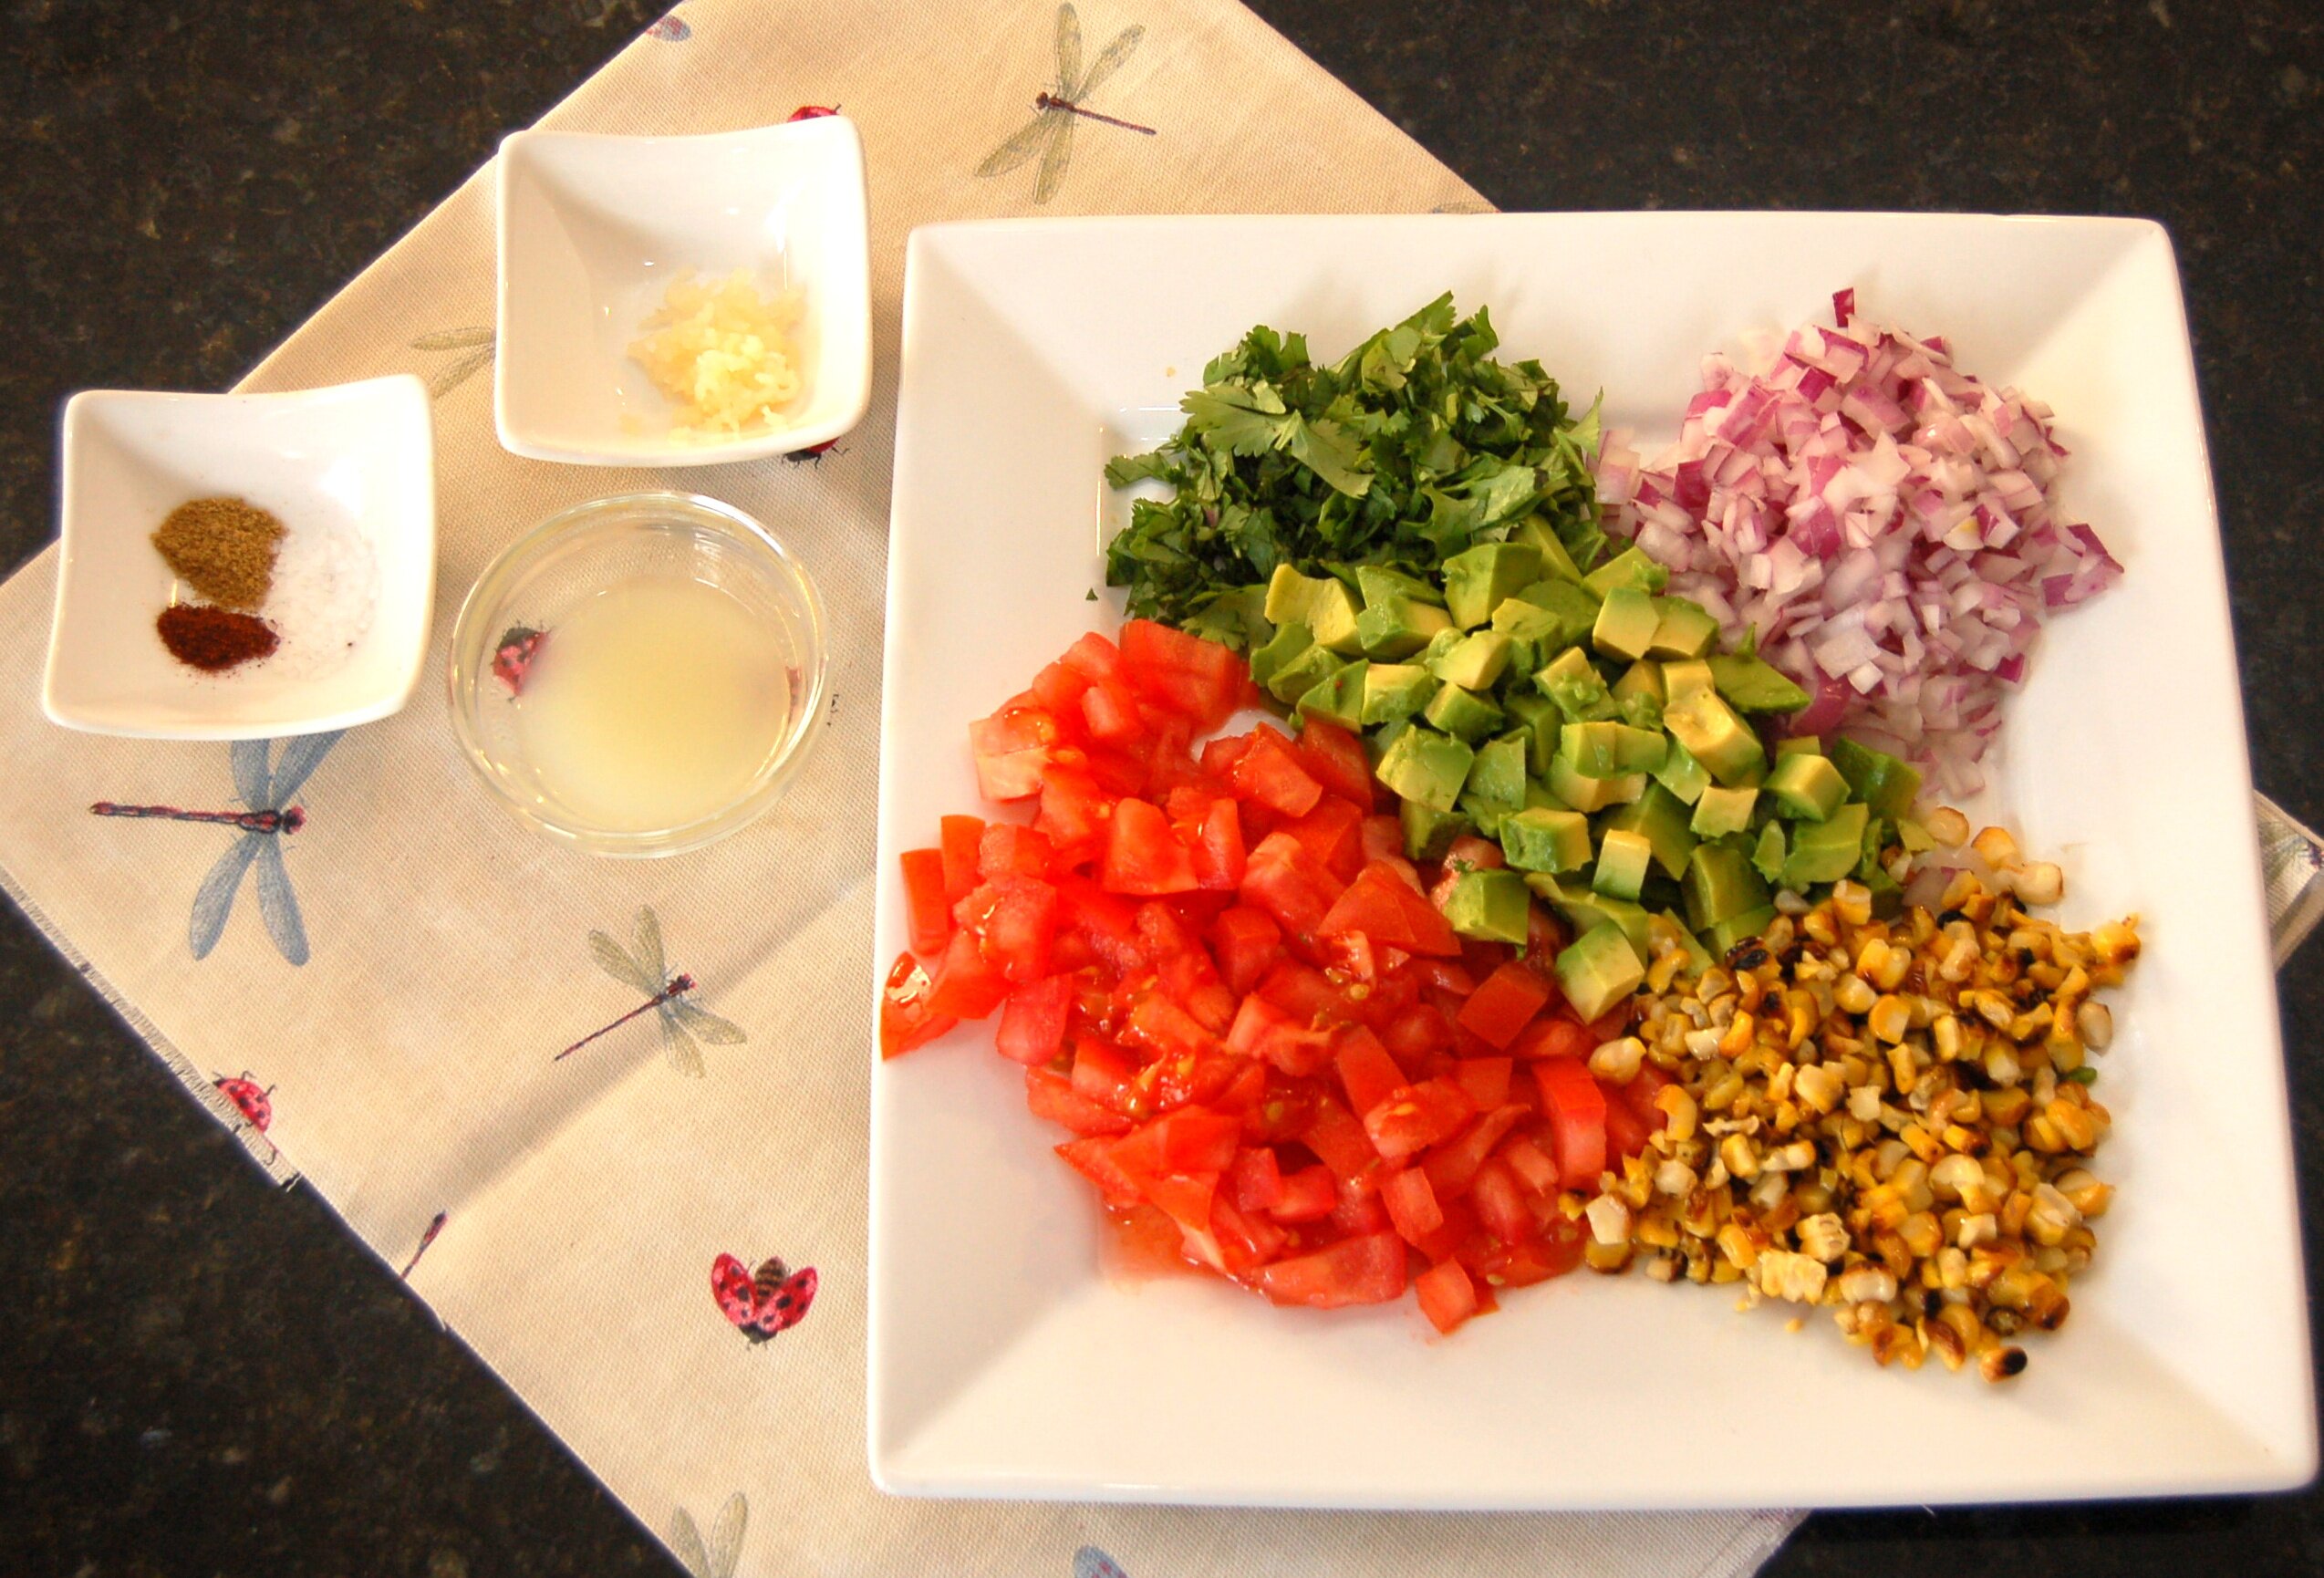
570, 1212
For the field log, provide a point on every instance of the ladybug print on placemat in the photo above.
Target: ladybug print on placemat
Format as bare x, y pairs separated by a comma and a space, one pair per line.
774, 1299
811, 111
257, 1106
670, 29
813, 454
1089, 1561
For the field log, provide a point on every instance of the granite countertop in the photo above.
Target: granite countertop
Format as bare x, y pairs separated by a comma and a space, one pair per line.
206, 1375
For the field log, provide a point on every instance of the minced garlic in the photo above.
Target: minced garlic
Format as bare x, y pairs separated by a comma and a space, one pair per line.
722, 354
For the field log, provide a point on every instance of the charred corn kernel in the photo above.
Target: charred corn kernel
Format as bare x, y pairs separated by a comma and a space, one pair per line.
1656, 1230
1738, 1039
1617, 1061
1817, 924
1796, 1157
2040, 882
1609, 1221
1822, 1237
2077, 1128
1680, 1108
1851, 901
1606, 1258
1995, 847
1954, 1175
1854, 994
2007, 1106
1659, 975
1663, 1268
1735, 1154
1923, 1234
2091, 1197
1959, 957
1802, 1023
1723, 1096
1863, 1104
2094, 1022
2116, 941
1889, 1018
1784, 1274
1923, 1143
1868, 1284
1999, 1365
1676, 1178
1952, 1269
1819, 1087
1948, 827
2001, 1065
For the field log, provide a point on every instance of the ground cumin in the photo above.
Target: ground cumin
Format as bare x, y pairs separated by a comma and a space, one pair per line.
212, 639
223, 548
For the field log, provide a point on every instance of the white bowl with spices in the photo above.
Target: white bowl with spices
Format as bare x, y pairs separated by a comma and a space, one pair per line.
682, 301
343, 587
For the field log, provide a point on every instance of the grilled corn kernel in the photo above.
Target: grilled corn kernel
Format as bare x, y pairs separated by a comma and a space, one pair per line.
1617, 1061
2094, 1022
1995, 847
2038, 883
1890, 1018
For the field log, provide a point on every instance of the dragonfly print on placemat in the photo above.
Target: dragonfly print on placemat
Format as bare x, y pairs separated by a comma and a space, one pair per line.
267, 818
1089, 1561
476, 346
716, 1556
641, 966
1050, 134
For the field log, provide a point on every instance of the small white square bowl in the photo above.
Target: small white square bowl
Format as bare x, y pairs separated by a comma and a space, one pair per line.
357, 456
594, 228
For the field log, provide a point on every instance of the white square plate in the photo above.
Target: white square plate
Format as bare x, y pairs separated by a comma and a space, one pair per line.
594, 228
356, 459
1005, 1363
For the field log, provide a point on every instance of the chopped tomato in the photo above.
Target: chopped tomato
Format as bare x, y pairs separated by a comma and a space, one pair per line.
1033, 1020
1257, 1178
1503, 1004
1333, 833
1218, 856
1308, 1195
1554, 1037
1577, 1113
1269, 774
1143, 855
1412, 1204
1336, 1136
1386, 908
1283, 880
1335, 759
1447, 1295
1452, 1164
1006, 848
1471, 853
930, 916
1484, 1080
906, 1020
961, 840
1051, 1096
1010, 749
1360, 1271
968, 985
1094, 1158
1415, 1116
1368, 1075
1246, 942
1625, 1135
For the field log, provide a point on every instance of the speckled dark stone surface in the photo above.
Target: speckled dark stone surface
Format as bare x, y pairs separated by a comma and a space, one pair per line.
199, 1374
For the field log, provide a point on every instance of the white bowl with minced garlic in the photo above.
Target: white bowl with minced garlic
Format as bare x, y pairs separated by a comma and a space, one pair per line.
682, 301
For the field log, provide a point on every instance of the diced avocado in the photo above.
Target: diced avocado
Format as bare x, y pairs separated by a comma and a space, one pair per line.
1643, 678
1475, 662
1880, 779
1829, 850
1767, 856
1642, 711
1304, 673
1332, 615
1539, 798
1590, 748
1626, 624
1385, 735
1428, 832
1576, 687
1538, 840
1393, 691
1379, 584
1719, 884
1793, 745
1498, 778
1687, 677
1598, 970
1476, 579
1716, 737
1395, 628
1289, 596
1806, 785
1536, 532
1718, 812
1462, 713
1639, 750
1754, 685
1483, 816
1913, 836
1724, 935
1586, 794
1685, 629
1540, 715
1622, 860
1681, 774
1492, 906
1426, 766
1339, 698
1630, 567
1571, 613
1292, 637
1661, 818
1582, 910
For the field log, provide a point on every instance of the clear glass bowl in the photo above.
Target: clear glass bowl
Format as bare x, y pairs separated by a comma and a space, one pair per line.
542, 577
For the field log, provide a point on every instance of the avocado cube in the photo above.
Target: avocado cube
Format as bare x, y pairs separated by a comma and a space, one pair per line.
1483, 816
1829, 850
1492, 906
1806, 785
1622, 860
1304, 673
1592, 749
1576, 687
1535, 532
1878, 779
1540, 715
1716, 737
1498, 779
1719, 884
1688, 677
1583, 910
1475, 662
1681, 774
1539, 798
1428, 832
1379, 584
1395, 628
1424, 766
1479, 579
1557, 614
1661, 818
1292, 637
1639, 750
1720, 812
1767, 856
1393, 691
1643, 678
1338, 697
1462, 713
1290, 595
1626, 624
1587, 794
1332, 615
1641, 712
1793, 745
1599, 969
1753, 685
1725, 936
1682, 629
1543, 840
1630, 567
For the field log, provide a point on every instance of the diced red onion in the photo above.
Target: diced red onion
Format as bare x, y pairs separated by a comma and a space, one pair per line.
1886, 522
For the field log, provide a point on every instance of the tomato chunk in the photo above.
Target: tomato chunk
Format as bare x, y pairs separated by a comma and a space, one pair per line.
1034, 1020
905, 1018
1447, 1295
1577, 1111
1503, 1004
1416, 1116
1383, 905
1143, 855
1369, 1270
930, 915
